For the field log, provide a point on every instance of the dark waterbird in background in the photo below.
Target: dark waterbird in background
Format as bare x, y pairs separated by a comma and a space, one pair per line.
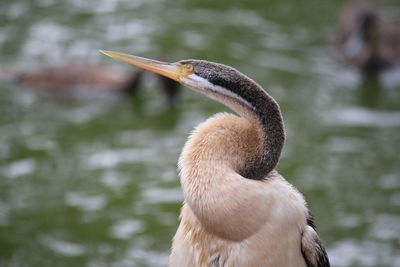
368, 39
87, 80
238, 210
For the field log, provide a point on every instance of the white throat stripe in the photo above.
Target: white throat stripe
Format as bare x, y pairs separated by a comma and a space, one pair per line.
205, 84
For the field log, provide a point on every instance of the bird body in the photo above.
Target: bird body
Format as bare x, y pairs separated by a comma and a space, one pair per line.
367, 39
84, 79
225, 218
70, 77
238, 211
239, 234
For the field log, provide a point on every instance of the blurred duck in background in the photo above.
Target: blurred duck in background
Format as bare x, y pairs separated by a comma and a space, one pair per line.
82, 80
368, 39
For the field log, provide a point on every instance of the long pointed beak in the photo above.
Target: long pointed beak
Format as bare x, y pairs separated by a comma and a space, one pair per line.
170, 70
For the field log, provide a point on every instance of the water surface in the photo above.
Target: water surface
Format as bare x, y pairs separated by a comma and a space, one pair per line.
93, 181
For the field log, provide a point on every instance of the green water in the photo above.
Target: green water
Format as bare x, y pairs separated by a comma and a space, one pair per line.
93, 182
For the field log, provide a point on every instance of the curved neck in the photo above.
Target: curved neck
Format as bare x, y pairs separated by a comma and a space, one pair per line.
227, 148
219, 155
254, 104
269, 116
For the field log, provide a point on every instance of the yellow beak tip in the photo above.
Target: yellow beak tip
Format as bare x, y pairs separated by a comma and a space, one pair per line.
170, 70
107, 53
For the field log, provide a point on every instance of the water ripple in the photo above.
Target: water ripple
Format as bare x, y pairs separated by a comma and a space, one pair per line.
368, 254
125, 229
386, 227
63, 247
163, 195
111, 158
85, 202
20, 168
354, 116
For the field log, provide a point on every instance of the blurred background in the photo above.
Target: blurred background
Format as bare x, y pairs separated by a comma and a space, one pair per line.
88, 173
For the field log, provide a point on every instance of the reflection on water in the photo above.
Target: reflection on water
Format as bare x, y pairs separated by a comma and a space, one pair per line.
93, 182
353, 116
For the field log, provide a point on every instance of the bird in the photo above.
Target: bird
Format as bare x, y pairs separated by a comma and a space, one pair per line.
367, 39
238, 210
86, 79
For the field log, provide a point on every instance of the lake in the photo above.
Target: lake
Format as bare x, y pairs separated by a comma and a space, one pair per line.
92, 181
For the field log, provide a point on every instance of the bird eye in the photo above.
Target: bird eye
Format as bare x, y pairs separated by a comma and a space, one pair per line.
189, 68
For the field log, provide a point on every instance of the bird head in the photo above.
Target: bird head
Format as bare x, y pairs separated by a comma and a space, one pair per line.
217, 81
233, 89
369, 21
